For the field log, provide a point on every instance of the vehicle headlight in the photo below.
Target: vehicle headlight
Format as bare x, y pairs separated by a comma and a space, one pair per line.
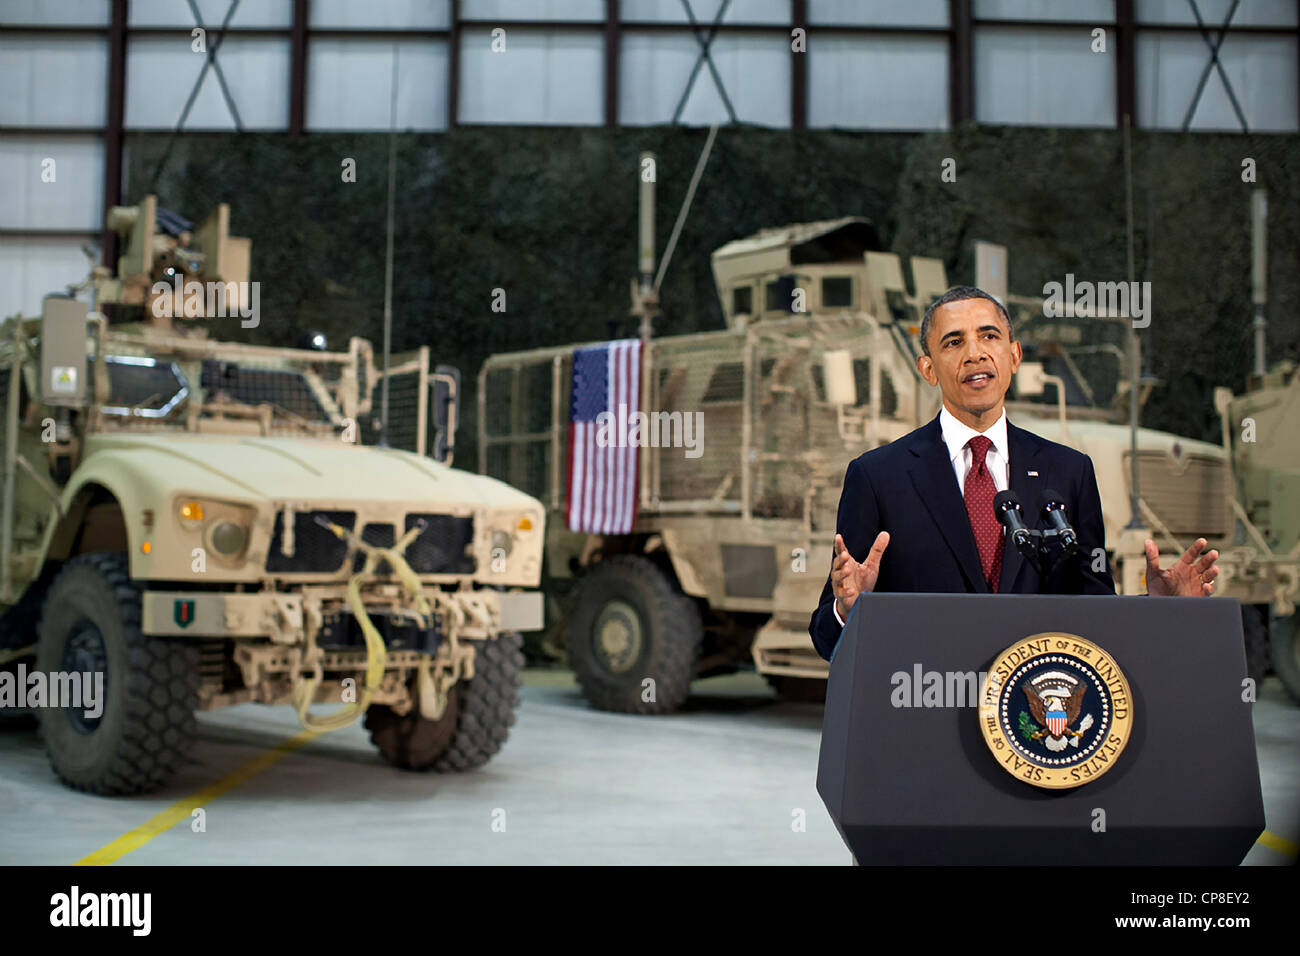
228, 538
502, 541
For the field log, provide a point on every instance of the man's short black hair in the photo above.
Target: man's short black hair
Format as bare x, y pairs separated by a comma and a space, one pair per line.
958, 293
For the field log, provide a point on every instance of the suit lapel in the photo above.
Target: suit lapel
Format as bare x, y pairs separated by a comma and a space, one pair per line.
934, 479
1022, 454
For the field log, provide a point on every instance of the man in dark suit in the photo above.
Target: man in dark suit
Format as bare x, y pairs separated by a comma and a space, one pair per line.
928, 497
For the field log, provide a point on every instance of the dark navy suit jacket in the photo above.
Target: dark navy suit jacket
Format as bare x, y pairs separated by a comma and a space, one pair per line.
908, 488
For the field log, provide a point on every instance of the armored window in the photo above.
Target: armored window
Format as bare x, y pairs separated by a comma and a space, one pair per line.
284, 388
837, 292
742, 300
862, 382
780, 295
143, 387
900, 310
726, 384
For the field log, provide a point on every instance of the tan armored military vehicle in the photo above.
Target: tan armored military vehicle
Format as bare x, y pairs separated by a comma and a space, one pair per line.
730, 547
194, 524
1260, 426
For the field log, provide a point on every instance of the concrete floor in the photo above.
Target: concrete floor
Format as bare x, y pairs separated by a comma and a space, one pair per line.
719, 782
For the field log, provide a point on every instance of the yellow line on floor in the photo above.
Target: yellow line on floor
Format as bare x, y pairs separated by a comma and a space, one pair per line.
183, 809
1281, 844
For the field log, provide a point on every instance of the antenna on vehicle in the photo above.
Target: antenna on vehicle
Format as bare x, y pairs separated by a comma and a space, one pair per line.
1259, 270
645, 294
388, 254
1135, 370
686, 205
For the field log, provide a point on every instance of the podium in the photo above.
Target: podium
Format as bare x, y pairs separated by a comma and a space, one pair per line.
912, 782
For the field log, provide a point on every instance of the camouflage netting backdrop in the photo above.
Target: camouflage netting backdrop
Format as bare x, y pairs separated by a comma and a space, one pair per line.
549, 216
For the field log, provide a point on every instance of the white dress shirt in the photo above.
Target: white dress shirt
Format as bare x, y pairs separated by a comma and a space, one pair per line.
957, 437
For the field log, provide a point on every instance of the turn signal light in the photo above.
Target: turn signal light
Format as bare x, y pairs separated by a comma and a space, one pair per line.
525, 524
191, 511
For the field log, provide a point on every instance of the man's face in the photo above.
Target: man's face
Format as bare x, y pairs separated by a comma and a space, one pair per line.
972, 358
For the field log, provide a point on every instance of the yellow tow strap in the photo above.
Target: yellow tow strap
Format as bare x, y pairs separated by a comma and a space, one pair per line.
376, 655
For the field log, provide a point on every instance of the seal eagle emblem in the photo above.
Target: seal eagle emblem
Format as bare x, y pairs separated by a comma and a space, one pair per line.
1056, 711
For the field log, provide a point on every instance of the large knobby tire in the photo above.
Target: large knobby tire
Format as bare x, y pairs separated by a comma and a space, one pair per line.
1254, 631
1286, 654
475, 724
629, 623
91, 623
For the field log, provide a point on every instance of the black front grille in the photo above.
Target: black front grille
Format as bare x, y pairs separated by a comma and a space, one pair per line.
379, 536
443, 547
341, 630
316, 549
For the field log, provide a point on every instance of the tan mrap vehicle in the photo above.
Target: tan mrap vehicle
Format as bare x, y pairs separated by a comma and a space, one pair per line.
729, 550
194, 524
1260, 426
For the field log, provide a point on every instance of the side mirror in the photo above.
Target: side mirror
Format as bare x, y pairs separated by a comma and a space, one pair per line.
1030, 380
445, 383
63, 351
837, 373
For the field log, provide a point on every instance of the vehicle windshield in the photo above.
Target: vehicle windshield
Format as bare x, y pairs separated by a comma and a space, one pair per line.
271, 390
143, 386
1088, 354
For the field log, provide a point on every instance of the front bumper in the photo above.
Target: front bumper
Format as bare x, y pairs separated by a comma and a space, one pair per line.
285, 617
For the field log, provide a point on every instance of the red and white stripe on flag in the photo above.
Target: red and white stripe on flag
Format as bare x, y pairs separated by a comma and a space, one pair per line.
603, 464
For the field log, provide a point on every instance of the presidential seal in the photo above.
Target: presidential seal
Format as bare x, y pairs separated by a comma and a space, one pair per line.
1056, 711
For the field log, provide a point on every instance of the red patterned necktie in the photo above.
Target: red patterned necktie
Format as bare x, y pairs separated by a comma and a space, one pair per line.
979, 493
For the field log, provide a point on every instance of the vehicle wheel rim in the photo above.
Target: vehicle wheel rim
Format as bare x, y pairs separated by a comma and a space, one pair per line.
84, 654
618, 637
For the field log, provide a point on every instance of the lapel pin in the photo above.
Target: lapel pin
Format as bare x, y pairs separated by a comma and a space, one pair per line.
1033, 474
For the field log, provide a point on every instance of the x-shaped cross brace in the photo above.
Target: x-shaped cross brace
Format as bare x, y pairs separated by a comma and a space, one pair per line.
1215, 64
705, 41
210, 62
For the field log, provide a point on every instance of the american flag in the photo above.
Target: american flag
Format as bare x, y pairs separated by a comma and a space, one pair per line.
603, 481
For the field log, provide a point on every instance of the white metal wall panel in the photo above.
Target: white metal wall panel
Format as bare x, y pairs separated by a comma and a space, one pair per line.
1262, 13
654, 69
672, 11
879, 13
541, 10
161, 71
65, 13
382, 14
877, 82
349, 84
52, 80
73, 201
1261, 69
1087, 11
177, 13
1043, 78
30, 269
543, 77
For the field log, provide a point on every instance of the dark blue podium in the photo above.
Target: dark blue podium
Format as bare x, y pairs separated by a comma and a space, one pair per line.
919, 784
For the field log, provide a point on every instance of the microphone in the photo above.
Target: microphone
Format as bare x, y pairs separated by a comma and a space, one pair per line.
1052, 506
1006, 505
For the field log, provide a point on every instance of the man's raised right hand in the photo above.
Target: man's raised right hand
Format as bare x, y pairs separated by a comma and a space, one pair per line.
849, 578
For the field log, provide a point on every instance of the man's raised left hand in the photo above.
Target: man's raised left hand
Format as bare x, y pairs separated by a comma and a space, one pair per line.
1192, 575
